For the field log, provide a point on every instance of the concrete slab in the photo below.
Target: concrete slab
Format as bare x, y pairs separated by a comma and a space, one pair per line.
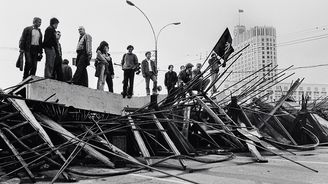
81, 97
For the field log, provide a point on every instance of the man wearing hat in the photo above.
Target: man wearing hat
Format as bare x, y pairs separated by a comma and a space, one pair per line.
129, 64
186, 74
149, 71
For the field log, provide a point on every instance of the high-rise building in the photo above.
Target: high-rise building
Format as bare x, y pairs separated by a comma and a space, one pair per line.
261, 51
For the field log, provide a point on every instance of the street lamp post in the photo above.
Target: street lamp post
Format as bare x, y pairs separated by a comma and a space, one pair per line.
152, 28
156, 40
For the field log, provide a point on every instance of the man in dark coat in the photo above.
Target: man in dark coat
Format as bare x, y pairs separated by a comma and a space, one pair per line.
186, 75
171, 79
58, 72
149, 71
50, 46
30, 44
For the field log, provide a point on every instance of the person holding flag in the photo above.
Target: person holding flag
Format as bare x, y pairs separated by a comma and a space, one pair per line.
223, 47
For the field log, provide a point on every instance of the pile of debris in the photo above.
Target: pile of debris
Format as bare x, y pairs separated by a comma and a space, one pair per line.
46, 124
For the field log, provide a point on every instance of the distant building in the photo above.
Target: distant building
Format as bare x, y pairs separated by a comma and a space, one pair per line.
261, 51
313, 91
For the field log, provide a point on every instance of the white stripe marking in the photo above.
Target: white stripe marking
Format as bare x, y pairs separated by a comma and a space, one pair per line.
309, 162
161, 179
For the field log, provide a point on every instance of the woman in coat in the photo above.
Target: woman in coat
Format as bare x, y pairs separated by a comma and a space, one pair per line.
104, 67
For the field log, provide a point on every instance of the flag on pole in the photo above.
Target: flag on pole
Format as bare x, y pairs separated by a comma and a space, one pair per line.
223, 47
240, 11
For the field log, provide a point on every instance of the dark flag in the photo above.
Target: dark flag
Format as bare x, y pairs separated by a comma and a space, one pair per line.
223, 47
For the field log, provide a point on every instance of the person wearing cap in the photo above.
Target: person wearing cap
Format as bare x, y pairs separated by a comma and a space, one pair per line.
200, 82
67, 71
84, 55
171, 79
186, 74
30, 44
197, 70
214, 63
50, 47
129, 65
182, 68
149, 71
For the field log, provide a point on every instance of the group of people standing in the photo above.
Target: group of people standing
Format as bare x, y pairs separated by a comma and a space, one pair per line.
32, 45
187, 74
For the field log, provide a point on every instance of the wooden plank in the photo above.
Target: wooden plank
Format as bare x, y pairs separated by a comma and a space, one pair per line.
219, 121
140, 142
112, 147
186, 123
284, 130
25, 111
168, 139
74, 140
17, 155
183, 144
283, 98
251, 145
206, 133
221, 111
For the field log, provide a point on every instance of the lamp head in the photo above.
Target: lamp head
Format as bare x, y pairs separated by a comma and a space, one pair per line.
130, 3
177, 23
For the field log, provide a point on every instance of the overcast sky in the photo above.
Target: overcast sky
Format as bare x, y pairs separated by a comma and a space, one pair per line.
202, 23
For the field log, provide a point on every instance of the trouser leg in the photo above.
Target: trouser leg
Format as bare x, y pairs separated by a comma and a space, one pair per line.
154, 79
147, 79
28, 64
101, 78
50, 62
84, 79
213, 78
34, 62
109, 82
169, 89
58, 71
125, 82
81, 76
131, 81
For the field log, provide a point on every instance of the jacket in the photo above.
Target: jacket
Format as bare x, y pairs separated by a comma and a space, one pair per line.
129, 61
107, 61
196, 72
171, 79
85, 45
146, 71
67, 72
184, 76
215, 64
50, 38
26, 38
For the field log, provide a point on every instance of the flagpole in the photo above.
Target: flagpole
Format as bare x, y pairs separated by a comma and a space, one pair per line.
239, 18
239, 12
